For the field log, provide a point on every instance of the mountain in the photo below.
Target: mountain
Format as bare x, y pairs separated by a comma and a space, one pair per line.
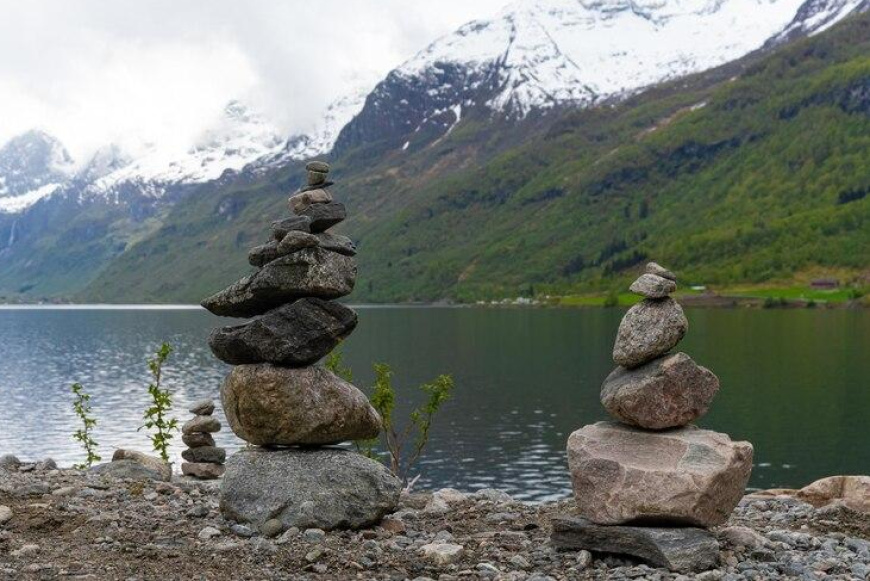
32, 166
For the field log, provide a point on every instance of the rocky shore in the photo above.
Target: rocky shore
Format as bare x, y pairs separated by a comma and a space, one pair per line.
70, 524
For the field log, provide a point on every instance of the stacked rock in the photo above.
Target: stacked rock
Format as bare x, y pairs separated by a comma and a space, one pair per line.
652, 468
204, 460
277, 397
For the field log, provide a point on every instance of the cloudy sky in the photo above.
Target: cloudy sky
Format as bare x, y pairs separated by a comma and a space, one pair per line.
93, 72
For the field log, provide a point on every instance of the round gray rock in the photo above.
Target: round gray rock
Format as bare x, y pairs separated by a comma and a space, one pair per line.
653, 286
667, 392
281, 406
648, 330
658, 269
326, 488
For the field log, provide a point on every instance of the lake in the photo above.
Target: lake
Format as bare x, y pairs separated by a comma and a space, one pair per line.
795, 383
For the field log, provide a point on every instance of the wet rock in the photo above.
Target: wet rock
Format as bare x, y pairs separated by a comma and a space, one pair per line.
312, 272
209, 454
295, 241
280, 228
204, 407
685, 476
337, 243
325, 488
202, 470
648, 330
664, 393
197, 439
296, 334
264, 254
201, 424
653, 286
679, 549
325, 216
302, 201
279, 406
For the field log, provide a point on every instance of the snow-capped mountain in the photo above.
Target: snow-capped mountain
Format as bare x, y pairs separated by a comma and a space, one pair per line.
539, 54
32, 166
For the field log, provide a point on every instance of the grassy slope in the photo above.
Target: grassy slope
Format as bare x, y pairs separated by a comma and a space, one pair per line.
742, 180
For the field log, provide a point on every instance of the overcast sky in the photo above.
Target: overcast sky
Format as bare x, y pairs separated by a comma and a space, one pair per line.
98, 71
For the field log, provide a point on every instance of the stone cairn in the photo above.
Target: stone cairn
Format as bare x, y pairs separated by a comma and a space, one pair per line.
203, 459
651, 484
278, 399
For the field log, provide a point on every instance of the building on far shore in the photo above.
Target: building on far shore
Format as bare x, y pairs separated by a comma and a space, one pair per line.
825, 283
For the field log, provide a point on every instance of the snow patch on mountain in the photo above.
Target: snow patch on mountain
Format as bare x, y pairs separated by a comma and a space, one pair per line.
19, 203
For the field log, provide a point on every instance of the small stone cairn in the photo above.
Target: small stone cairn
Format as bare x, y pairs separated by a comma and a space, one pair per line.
204, 460
278, 399
650, 484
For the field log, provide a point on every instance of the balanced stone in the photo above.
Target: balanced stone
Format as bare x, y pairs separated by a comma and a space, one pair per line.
296, 334
659, 270
281, 228
205, 454
653, 286
203, 470
304, 200
280, 406
667, 392
197, 439
295, 241
263, 254
687, 476
337, 243
201, 424
204, 407
325, 216
680, 549
323, 186
649, 329
324, 488
316, 178
312, 272
315, 165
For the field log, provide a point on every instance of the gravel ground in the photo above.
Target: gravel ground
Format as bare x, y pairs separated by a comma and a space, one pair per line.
64, 524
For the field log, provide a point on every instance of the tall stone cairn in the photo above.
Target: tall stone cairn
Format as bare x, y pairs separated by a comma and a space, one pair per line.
650, 483
278, 399
203, 459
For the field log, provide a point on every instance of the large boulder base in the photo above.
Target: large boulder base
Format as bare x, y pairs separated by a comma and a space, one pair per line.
685, 477
297, 334
281, 406
680, 549
667, 392
326, 488
312, 272
648, 330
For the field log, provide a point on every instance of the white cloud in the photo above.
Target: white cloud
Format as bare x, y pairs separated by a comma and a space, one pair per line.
98, 71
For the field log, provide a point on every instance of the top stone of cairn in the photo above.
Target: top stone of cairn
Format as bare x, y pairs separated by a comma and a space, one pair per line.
318, 166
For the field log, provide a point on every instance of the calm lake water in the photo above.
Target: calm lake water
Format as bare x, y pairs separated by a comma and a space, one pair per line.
795, 383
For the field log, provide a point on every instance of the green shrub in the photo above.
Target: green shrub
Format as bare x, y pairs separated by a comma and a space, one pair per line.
82, 407
161, 404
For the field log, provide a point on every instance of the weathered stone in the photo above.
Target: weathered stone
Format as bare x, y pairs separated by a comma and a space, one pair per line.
852, 491
297, 334
281, 406
197, 439
316, 178
682, 550
5, 515
739, 536
308, 188
659, 270
313, 272
302, 201
649, 329
337, 243
442, 554
264, 254
295, 241
315, 165
151, 462
667, 392
685, 476
324, 216
201, 424
281, 228
204, 407
203, 470
9, 462
325, 488
653, 286
208, 454
128, 470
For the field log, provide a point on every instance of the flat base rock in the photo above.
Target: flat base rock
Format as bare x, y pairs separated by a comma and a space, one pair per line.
684, 477
203, 470
325, 488
268, 405
296, 334
679, 549
312, 272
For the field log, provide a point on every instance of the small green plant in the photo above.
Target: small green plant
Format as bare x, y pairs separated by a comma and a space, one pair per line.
335, 364
82, 407
161, 405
